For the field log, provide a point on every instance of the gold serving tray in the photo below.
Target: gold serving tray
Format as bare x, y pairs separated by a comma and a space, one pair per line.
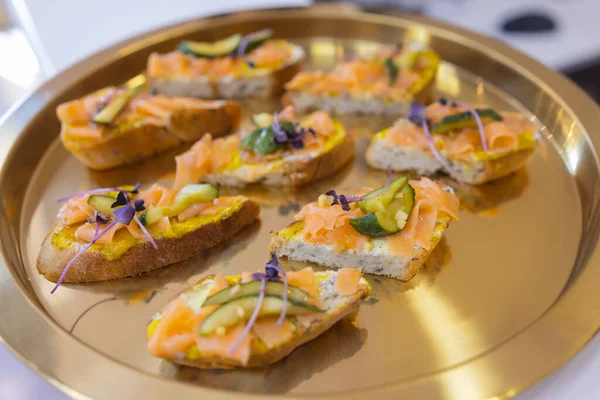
508, 297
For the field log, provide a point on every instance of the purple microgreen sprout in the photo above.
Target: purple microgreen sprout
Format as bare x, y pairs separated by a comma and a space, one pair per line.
241, 49
138, 206
272, 271
123, 215
417, 113
134, 190
122, 199
345, 201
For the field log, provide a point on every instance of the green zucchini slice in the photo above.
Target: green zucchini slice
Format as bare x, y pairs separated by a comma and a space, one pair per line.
239, 310
272, 288
219, 48
102, 203
465, 120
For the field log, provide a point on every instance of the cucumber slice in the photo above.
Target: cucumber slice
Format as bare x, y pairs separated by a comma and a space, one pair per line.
240, 310
257, 38
211, 50
154, 214
116, 104
194, 193
191, 193
272, 288
389, 221
379, 199
262, 120
369, 225
102, 203
465, 120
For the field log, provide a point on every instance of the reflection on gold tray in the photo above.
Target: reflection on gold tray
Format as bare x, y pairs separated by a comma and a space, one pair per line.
338, 343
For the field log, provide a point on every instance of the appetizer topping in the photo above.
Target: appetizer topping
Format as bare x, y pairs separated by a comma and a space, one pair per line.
392, 73
275, 137
237, 45
109, 111
97, 217
460, 130
224, 316
398, 215
122, 215
80, 116
219, 48
345, 201
392, 70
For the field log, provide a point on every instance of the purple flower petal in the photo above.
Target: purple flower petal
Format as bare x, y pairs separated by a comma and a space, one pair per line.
279, 134
138, 205
241, 49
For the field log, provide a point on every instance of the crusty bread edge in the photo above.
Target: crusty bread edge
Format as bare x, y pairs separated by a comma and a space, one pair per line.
273, 355
92, 266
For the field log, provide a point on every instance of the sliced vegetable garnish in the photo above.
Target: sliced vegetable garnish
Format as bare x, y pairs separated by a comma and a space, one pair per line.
392, 70
475, 114
134, 190
269, 139
345, 201
125, 213
417, 116
252, 320
272, 271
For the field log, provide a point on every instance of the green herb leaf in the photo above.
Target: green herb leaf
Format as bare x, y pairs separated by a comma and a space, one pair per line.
265, 142
392, 70
249, 141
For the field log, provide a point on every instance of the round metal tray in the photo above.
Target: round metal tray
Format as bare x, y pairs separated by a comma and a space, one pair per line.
507, 298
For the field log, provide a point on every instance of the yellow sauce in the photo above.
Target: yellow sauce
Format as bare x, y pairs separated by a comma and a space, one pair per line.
64, 237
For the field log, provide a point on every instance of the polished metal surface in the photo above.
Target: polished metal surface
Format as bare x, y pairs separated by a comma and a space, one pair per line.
507, 297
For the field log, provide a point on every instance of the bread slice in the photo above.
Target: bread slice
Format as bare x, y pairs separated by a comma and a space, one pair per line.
348, 91
261, 83
134, 140
100, 264
373, 259
290, 170
383, 155
337, 308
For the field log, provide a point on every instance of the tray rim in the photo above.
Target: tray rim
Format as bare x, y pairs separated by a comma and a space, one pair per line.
562, 90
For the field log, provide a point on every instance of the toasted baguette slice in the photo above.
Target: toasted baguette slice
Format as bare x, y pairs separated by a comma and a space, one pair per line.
327, 234
288, 166
178, 74
335, 306
148, 125
377, 260
127, 256
363, 86
510, 139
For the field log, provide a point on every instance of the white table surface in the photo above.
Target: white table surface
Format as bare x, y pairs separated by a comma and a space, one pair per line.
52, 24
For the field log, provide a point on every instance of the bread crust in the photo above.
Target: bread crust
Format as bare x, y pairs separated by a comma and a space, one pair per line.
92, 266
135, 143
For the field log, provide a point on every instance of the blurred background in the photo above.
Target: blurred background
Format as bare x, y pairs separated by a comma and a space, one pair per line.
40, 38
